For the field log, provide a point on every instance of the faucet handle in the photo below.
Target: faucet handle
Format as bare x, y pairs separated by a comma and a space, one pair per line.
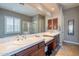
18, 39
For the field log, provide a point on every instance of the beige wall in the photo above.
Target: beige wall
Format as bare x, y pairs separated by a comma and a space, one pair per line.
69, 14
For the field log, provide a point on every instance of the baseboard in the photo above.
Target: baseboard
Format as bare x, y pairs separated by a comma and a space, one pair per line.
71, 42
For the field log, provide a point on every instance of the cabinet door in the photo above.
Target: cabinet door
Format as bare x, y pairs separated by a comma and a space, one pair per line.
41, 49
41, 52
50, 24
55, 23
57, 38
54, 44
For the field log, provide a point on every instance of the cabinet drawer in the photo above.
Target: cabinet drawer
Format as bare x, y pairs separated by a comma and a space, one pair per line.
42, 44
27, 51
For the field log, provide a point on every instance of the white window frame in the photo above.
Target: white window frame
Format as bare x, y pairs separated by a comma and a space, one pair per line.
14, 18
19, 25
28, 26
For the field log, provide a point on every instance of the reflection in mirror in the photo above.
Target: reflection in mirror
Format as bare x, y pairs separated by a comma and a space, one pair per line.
26, 27
12, 24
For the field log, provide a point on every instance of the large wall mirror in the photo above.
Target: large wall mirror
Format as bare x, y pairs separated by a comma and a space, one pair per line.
71, 27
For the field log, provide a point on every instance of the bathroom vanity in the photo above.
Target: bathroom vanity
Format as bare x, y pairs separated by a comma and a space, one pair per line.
34, 45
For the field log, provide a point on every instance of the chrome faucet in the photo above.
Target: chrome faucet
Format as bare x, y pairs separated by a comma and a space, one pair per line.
21, 37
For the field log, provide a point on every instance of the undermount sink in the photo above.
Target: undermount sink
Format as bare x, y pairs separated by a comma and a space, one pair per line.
22, 42
47, 36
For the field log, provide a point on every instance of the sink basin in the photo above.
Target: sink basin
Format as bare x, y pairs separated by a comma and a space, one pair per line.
21, 42
24, 41
47, 36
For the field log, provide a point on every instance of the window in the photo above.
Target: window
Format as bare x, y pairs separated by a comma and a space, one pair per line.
12, 25
16, 25
26, 26
8, 24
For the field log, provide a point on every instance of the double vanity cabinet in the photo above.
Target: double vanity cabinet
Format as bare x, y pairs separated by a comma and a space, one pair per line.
42, 44
39, 49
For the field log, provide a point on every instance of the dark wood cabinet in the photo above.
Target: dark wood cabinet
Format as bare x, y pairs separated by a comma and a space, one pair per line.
41, 52
55, 23
50, 24
36, 50
39, 49
33, 54
57, 38
53, 44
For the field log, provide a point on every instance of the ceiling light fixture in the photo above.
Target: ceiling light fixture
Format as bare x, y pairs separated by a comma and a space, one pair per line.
53, 9
48, 13
40, 8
